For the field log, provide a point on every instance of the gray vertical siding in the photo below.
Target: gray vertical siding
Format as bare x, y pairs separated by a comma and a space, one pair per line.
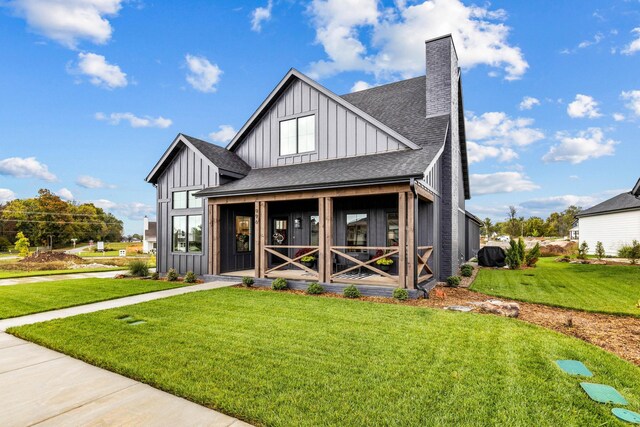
187, 171
339, 132
473, 239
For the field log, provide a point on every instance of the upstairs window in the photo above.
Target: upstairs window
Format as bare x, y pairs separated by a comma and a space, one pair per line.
186, 200
297, 135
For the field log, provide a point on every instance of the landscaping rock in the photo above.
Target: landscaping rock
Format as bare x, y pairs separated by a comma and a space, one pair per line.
461, 308
501, 308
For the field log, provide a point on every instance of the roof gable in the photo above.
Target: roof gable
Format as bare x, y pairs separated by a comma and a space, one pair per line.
621, 202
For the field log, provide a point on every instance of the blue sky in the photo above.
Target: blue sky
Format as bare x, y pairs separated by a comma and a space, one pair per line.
93, 91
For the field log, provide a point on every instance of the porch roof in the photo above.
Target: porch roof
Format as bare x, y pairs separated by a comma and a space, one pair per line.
376, 168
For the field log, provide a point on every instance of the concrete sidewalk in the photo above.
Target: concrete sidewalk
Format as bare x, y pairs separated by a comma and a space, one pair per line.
104, 305
56, 277
44, 387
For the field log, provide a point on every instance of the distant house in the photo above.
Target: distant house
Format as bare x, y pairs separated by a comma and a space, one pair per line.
320, 187
574, 232
614, 222
149, 236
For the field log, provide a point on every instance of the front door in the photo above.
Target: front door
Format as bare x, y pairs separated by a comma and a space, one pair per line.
279, 237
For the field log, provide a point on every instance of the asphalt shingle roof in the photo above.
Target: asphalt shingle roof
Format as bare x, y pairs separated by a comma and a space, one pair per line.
221, 157
621, 202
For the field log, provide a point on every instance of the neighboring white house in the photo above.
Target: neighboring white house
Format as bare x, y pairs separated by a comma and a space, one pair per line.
614, 222
149, 236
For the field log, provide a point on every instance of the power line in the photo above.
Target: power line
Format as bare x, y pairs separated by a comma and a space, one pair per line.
46, 213
57, 222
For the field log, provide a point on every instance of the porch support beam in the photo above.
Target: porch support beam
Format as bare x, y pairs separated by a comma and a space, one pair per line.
411, 240
261, 233
214, 239
327, 236
322, 275
402, 239
257, 241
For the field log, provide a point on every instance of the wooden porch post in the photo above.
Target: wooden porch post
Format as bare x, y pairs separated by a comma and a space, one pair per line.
214, 239
411, 241
257, 242
402, 239
261, 235
321, 241
328, 238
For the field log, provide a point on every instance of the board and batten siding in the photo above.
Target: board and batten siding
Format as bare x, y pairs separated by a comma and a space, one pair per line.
613, 230
187, 171
339, 132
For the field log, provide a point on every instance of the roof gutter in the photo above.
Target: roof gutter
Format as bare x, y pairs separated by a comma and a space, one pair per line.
412, 186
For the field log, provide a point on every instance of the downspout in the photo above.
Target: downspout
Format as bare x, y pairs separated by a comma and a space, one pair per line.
412, 186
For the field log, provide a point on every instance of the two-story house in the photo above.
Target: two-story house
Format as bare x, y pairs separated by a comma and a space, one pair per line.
367, 188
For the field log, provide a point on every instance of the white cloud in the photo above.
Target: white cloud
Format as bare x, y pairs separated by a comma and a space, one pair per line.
27, 167
633, 98
133, 211
100, 72
360, 85
545, 205
496, 128
528, 102
634, 46
260, 15
91, 182
65, 194
6, 195
477, 153
587, 144
597, 38
135, 121
397, 34
618, 117
203, 75
583, 106
69, 21
501, 182
225, 133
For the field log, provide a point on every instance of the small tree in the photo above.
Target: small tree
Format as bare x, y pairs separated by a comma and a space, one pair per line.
22, 244
583, 249
632, 252
532, 256
515, 254
600, 253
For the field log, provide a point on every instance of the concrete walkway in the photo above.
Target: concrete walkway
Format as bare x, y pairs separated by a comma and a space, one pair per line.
44, 387
104, 305
55, 277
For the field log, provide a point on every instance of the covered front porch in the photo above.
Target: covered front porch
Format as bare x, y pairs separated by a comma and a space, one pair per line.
370, 235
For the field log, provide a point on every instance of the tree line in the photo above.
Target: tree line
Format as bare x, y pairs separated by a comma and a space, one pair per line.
557, 224
48, 219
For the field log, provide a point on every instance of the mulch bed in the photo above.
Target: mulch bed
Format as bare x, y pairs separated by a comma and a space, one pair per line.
617, 334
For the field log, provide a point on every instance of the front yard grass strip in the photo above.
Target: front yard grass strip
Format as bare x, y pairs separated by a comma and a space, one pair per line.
20, 300
282, 359
15, 274
610, 289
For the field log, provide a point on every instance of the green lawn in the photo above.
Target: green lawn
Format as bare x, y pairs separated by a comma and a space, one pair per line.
19, 300
12, 274
599, 288
290, 360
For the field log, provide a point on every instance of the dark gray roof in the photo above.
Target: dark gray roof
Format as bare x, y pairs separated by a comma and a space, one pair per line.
621, 202
151, 232
219, 156
474, 218
385, 167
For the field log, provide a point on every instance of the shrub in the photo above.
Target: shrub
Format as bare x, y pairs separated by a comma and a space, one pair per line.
138, 268
600, 253
632, 252
247, 281
190, 277
515, 255
401, 294
22, 244
466, 270
155, 276
172, 275
351, 292
583, 249
453, 281
279, 284
315, 288
384, 261
532, 256
308, 258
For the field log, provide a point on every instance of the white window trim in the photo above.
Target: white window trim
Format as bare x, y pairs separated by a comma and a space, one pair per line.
313, 113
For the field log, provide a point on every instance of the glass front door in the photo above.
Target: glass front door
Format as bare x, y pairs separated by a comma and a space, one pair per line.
279, 237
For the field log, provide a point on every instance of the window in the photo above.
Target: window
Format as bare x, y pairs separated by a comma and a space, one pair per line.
194, 202
187, 233
179, 200
357, 229
314, 230
297, 135
393, 230
243, 233
195, 233
179, 233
